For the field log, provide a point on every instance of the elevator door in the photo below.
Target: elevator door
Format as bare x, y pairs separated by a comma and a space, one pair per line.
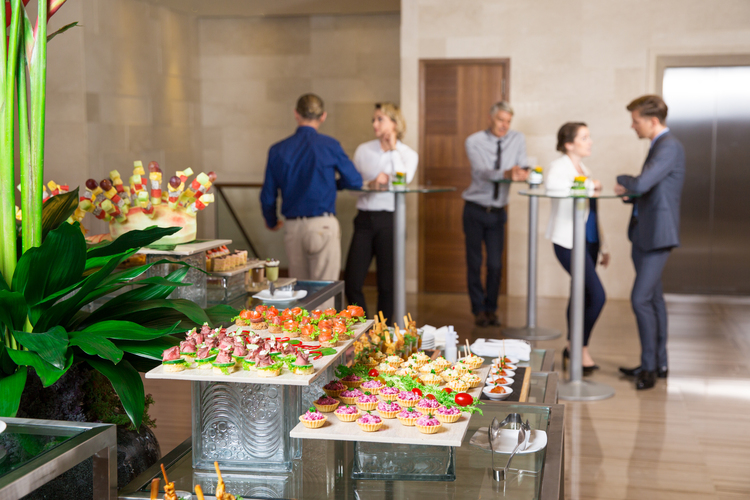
709, 112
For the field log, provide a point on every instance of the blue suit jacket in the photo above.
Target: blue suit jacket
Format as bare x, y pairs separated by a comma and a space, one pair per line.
657, 223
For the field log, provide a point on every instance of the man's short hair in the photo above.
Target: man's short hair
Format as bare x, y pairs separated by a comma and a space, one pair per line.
650, 105
501, 106
310, 107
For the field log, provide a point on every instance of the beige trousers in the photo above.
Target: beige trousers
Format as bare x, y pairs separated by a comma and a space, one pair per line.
313, 247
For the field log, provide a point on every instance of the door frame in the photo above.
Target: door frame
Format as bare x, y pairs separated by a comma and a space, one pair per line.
505, 92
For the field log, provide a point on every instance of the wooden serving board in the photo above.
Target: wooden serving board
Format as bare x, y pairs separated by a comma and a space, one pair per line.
392, 431
251, 377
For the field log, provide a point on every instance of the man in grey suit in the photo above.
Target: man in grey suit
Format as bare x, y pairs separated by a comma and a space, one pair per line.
654, 231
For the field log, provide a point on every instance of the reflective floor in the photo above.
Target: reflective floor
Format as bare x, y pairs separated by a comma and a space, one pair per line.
689, 437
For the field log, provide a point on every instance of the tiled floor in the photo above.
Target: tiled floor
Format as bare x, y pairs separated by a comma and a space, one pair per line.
689, 437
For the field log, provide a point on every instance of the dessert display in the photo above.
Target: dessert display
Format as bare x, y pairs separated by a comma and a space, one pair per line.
428, 424
426, 405
369, 422
347, 413
372, 386
313, 419
408, 398
222, 259
389, 393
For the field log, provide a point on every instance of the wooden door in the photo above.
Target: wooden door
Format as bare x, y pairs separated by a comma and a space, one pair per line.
455, 98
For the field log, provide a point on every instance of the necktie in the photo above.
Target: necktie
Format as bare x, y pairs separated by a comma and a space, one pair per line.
497, 167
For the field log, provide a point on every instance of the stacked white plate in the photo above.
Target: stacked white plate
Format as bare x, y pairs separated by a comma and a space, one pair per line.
428, 339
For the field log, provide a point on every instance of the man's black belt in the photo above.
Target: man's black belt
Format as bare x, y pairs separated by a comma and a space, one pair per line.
324, 214
489, 210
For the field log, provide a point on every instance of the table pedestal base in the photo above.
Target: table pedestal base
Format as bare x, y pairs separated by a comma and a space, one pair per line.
584, 390
531, 333
403, 462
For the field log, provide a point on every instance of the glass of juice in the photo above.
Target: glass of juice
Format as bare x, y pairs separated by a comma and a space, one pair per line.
272, 269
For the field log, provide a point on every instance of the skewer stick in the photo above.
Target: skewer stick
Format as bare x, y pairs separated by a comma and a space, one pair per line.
382, 318
199, 492
468, 349
154, 488
165, 474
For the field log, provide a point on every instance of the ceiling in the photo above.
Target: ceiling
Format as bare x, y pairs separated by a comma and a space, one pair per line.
235, 8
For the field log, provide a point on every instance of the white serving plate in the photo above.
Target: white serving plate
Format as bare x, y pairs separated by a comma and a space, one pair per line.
280, 296
508, 368
508, 440
491, 381
497, 397
3, 426
512, 361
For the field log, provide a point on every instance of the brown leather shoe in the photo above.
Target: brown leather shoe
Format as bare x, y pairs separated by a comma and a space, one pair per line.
492, 319
481, 319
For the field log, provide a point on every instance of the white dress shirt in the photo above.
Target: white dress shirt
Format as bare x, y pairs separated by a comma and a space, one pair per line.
559, 179
371, 160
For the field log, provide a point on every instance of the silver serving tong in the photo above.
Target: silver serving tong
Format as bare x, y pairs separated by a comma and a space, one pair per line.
493, 431
271, 287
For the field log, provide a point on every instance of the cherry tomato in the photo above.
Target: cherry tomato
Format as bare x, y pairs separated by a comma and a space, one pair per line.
464, 399
430, 396
448, 390
373, 373
418, 391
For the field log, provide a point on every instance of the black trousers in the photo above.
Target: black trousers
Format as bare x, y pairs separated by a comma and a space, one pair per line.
488, 228
373, 237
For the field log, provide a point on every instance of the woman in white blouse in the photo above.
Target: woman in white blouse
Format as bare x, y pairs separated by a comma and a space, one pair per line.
378, 161
574, 141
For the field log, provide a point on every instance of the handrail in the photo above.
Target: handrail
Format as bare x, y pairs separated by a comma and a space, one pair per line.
219, 189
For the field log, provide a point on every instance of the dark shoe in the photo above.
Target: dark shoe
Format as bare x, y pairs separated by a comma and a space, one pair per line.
645, 380
631, 372
492, 319
662, 372
588, 370
481, 319
566, 358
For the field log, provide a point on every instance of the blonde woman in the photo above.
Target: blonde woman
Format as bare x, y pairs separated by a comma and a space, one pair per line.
574, 141
378, 161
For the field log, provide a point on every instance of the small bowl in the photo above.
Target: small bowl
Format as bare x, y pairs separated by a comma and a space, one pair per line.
508, 367
508, 373
497, 397
512, 361
491, 383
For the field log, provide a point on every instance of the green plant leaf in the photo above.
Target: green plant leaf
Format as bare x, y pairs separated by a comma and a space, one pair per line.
51, 346
126, 330
3, 283
56, 264
152, 349
47, 373
61, 30
11, 388
7, 365
148, 292
57, 209
95, 345
12, 310
132, 239
127, 384
97, 262
221, 313
188, 308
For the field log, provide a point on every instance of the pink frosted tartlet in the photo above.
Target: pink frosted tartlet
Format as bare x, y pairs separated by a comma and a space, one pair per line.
408, 416
389, 393
369, 422
313, 419
388, 410
408, 398
427, 424
448, 414
326, 404
373, 386
367, 402
347, 413
427, 405
334, 388
350, 396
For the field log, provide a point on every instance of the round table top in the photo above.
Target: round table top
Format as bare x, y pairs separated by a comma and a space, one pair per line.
409, 189
565, 193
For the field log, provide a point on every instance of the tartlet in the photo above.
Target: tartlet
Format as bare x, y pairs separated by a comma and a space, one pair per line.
387, 369
432, 378
407, 398
326, 404
427, 424
369, 422
347, 413
389, 393
450, 374
408, 416
448, 414
313, 419
350, 396
352, 381
459, 385
372, 386
334, 388
473, 361
367, 402
472, 380
394, 360
273, 370
426, 406
388, 410
441, 362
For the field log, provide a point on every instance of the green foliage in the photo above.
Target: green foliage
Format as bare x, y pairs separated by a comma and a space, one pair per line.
49, 325
105, 406
442, 397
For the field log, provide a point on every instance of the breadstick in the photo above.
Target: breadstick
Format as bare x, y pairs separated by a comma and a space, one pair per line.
382, 319
218, 471
199, 492
154, 488
165, 473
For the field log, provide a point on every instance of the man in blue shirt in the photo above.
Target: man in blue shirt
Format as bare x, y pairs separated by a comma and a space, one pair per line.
303, 168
